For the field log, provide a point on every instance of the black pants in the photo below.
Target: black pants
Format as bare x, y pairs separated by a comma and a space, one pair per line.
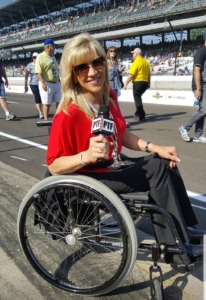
139, 88
120, 79
166, 188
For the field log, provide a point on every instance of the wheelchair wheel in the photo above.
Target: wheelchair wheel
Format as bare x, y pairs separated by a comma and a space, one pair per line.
157, 290
77, 234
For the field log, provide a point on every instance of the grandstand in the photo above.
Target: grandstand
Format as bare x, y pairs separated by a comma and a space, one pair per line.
25, 24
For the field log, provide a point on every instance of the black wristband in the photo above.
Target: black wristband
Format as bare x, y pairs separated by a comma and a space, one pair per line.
147, 147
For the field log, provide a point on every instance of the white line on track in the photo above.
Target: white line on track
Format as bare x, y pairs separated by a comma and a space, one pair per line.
192, 195
200, 207
196, 196
12, 102
19, 158
12, 137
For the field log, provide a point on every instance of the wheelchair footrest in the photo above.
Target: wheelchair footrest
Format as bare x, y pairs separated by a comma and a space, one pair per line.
192, 267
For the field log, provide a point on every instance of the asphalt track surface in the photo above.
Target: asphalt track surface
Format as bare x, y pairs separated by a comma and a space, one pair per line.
22, 164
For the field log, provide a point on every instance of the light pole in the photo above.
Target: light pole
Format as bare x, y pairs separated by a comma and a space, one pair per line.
176, 45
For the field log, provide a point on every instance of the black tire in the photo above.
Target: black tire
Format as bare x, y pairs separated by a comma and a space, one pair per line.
158, 295
99, 260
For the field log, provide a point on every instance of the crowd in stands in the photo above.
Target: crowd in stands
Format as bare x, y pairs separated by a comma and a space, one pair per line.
160, 57
98, 13
162, 61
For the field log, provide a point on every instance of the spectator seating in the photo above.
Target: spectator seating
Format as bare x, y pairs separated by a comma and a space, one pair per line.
107, 15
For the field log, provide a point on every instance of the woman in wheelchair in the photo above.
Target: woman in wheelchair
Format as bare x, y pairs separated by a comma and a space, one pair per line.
73, 148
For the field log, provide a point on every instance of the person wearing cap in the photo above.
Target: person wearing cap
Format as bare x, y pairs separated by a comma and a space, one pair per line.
34, 84
48, 72
199, 90
139, 74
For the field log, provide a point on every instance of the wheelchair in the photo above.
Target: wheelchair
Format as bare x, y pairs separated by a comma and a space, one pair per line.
81, 237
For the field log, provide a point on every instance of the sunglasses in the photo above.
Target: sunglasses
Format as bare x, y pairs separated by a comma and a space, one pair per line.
113, 51
97, 64
34, 57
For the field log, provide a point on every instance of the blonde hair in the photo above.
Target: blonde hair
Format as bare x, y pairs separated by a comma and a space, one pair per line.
75, 51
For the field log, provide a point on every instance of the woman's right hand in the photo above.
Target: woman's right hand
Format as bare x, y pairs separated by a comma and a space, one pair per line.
98, 148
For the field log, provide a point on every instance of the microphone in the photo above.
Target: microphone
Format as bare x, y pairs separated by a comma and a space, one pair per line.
103, 125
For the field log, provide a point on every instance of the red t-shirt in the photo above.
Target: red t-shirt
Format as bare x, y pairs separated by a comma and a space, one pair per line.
70, 133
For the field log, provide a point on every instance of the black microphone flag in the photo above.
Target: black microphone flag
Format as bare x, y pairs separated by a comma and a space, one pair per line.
103, 124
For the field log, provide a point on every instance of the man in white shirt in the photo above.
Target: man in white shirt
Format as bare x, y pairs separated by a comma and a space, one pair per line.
34, 84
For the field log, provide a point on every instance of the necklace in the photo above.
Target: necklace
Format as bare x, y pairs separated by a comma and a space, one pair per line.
93, 109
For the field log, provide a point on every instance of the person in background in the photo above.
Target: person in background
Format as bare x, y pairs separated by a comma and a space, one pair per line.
114, 69
34, 84
48, 72
9, 115
187, 72
121, 69
199, 90
139, 74
72, 148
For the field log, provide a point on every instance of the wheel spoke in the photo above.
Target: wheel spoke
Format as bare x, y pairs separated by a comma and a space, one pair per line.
68, 232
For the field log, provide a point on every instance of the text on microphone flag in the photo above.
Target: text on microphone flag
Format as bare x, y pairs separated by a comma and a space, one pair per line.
102, 125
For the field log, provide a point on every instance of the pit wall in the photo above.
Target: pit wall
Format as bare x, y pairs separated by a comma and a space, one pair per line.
171, 90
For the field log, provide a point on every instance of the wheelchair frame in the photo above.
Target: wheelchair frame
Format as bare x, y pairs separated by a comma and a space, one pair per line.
120, 207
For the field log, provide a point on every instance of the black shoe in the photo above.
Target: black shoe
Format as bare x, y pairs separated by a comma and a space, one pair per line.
142, 119
195, 234
138, 118
193, 250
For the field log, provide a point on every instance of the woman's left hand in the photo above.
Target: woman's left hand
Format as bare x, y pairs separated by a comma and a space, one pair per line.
170, 153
